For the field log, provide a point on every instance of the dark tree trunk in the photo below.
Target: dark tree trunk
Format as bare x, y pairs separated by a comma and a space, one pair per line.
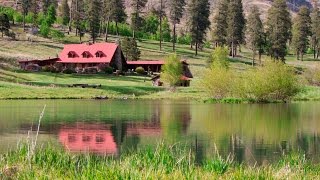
160, 43
253, 56
260, 58
174, 37
117, 30
24, 21
196, 48
107, 30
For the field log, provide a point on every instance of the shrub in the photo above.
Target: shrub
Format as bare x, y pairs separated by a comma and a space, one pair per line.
108, 70
49, 69
273, 81
56, 34
313, 75
185, 39
219, 57
44, 29
140, 70
218, 82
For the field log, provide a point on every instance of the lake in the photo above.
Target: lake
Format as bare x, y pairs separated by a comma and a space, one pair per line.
251, 133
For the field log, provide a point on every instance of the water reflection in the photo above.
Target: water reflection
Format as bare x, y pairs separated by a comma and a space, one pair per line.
254, 134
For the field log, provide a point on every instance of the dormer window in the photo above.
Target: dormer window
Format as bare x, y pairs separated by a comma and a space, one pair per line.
100, 54
86, 54
72, 54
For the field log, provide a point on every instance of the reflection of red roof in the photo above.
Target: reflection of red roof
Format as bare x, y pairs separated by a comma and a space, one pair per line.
146, 62
108, 49
88, 138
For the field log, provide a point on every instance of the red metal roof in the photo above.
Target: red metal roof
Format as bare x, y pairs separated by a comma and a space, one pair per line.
149, 62
108, 50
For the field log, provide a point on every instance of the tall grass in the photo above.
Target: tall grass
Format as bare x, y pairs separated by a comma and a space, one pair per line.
161, 162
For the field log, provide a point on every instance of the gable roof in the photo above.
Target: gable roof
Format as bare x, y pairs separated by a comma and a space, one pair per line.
108, 50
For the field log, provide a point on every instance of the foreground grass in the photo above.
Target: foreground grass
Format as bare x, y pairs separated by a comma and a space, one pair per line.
162, 162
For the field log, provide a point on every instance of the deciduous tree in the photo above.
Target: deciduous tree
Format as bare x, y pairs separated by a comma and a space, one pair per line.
172, 70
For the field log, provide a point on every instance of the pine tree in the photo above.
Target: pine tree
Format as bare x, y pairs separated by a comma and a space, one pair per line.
77, 17
255, 34
118, 12
176, 8
220, 23
107, 11
199, 11
278, 29
4, 23
47, 3
136, 19
65, 12
35, 8
93, 18
315, 30
25, 9
130, 49
51, 15
301, 31
236, 24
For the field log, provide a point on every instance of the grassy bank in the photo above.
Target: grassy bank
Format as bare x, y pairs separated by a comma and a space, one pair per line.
163, 162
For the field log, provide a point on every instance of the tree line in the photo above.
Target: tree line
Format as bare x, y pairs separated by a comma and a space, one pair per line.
229, 26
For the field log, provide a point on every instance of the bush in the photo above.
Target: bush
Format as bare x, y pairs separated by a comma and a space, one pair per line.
69, 70
55, 34
108, 70
185, 39
313, 75
218, 82
49, 69
44, 29
172, 70
273, 81
219, 57
140, 70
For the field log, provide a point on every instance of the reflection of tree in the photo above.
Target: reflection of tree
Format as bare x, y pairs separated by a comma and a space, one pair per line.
174, 120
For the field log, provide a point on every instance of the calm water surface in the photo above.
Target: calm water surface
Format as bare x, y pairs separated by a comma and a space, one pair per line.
252, 133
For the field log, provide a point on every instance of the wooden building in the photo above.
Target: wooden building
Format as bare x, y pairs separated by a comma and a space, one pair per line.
148, 65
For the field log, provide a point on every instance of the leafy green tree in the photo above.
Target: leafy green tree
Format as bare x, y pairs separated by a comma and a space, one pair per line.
136, 19
163, 32
51, 16
172, 70
219, 32
65, 12
130, 49
255, 33
199, 11
176, 8
278, 29
315, 30
4, 23
301, 31
151, 24
236, 24
93, 18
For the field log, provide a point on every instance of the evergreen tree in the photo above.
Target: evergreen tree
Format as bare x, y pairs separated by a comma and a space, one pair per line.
199, 11
108, 12
301, 31
4, 23
236, 24
176, 8
77, 17
25, 4
130, 49
315, 29
47, 3
51, 15
278, 29
93, 18
35, 8
220, 23
163, 33
118, 12
136, 19
255, 34
65, 12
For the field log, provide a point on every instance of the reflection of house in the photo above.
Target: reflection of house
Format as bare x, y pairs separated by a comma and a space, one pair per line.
86, 55
96, 138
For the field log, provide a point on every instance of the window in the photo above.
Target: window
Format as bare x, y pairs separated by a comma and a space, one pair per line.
100, 54
86, 54
72, 54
